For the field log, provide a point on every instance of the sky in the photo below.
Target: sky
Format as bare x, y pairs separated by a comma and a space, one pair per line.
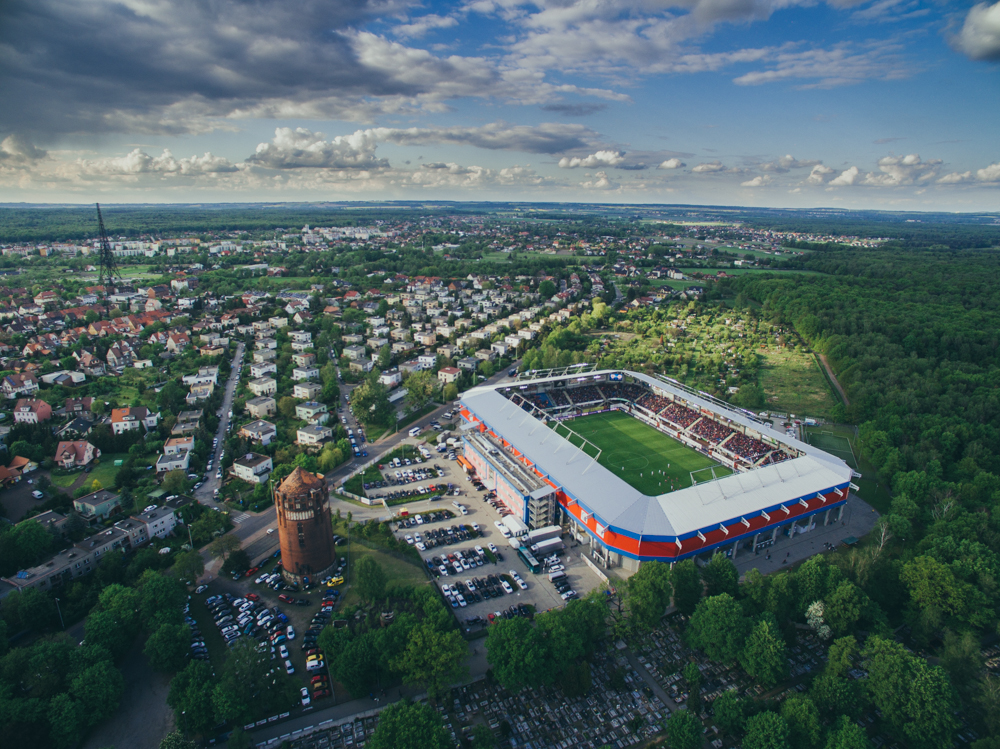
890, 104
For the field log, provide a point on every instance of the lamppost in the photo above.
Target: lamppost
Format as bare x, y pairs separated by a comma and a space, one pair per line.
59, 610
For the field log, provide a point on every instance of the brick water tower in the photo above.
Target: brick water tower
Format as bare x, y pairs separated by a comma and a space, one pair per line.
304, 528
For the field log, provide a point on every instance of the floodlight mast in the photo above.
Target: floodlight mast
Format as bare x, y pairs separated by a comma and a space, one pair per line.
108, 265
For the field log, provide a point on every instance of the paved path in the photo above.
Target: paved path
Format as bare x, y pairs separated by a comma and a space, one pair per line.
667, 701
206, 493
833, 379
858, 520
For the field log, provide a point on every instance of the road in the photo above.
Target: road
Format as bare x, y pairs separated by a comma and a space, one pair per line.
834, 380
206, 493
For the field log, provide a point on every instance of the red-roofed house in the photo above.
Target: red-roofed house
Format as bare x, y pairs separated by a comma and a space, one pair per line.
30, 411
75, 454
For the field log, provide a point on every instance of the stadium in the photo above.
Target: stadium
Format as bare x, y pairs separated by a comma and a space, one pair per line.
641, 467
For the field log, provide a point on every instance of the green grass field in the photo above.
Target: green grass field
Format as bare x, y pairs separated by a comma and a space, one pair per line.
837, 440
639, 455
794, 383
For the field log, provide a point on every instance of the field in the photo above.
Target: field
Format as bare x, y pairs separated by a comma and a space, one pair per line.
644, 458
398, 571
793, 383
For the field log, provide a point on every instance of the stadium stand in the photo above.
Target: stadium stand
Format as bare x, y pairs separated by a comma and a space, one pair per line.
747, 447
586, 394
653, 402
711, 430
623, 390
680, 415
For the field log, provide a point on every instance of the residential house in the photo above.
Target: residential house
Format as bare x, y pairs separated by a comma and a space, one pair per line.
99, 505
313, 412
176, 462
448, 374
176, 445
300, 374
391, 378
303, 360
259, 431
252, 468
259, 369
306, 390
75, 454
362, 365
78, 405
263, 386
261, 407
159, 522
199, 393
203, 376
313, 434
354, 353
14, 385
31, 411
126, 419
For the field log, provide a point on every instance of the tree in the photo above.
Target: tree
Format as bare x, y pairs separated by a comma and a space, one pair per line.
766, 730
223, 546
66, 721
804, 728
408, 725
846, 734
104, 628
450, 392
482, 737
286, 407
844, 607
915, 698
188, 565
764, 655
546, 289
432, 659
238, 561
720, 576
649, 594
687, 586
961, 656
247, 688
518, 654
191, 697
730, 712
98, 689
167, 647
161, 599
683, 730
174, 482
719, 628
369, 579
692, 675
420, 387
370, 401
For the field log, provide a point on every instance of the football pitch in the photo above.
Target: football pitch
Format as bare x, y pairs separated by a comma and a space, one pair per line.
647, 459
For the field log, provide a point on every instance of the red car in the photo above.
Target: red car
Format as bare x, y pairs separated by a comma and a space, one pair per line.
253, 597
313, 651
491, 617
318, 682
286, 598
251, 571
320, 694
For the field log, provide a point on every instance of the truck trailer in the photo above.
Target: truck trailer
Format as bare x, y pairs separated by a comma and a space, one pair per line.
549, 546
544, 534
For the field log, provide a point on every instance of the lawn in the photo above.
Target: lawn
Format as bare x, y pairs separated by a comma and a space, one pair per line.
398, 571
794, 383
105, 473
641, 456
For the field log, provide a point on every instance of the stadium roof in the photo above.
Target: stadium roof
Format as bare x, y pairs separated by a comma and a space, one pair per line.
678, 514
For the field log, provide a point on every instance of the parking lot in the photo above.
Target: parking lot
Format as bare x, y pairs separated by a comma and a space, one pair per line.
540, 594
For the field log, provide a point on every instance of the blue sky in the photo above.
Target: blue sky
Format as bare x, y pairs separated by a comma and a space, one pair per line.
891, 103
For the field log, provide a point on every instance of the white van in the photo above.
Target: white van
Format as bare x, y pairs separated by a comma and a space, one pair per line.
415, 431
553, 576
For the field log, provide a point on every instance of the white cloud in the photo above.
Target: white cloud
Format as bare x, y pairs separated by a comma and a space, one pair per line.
298, 148
139, 162
710, 167
847, 177
989, 174
902, 170
819, 174
785, 164
601, 158
761, 180
842, 65
602, 182
423, 24
673, 163
980, 34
